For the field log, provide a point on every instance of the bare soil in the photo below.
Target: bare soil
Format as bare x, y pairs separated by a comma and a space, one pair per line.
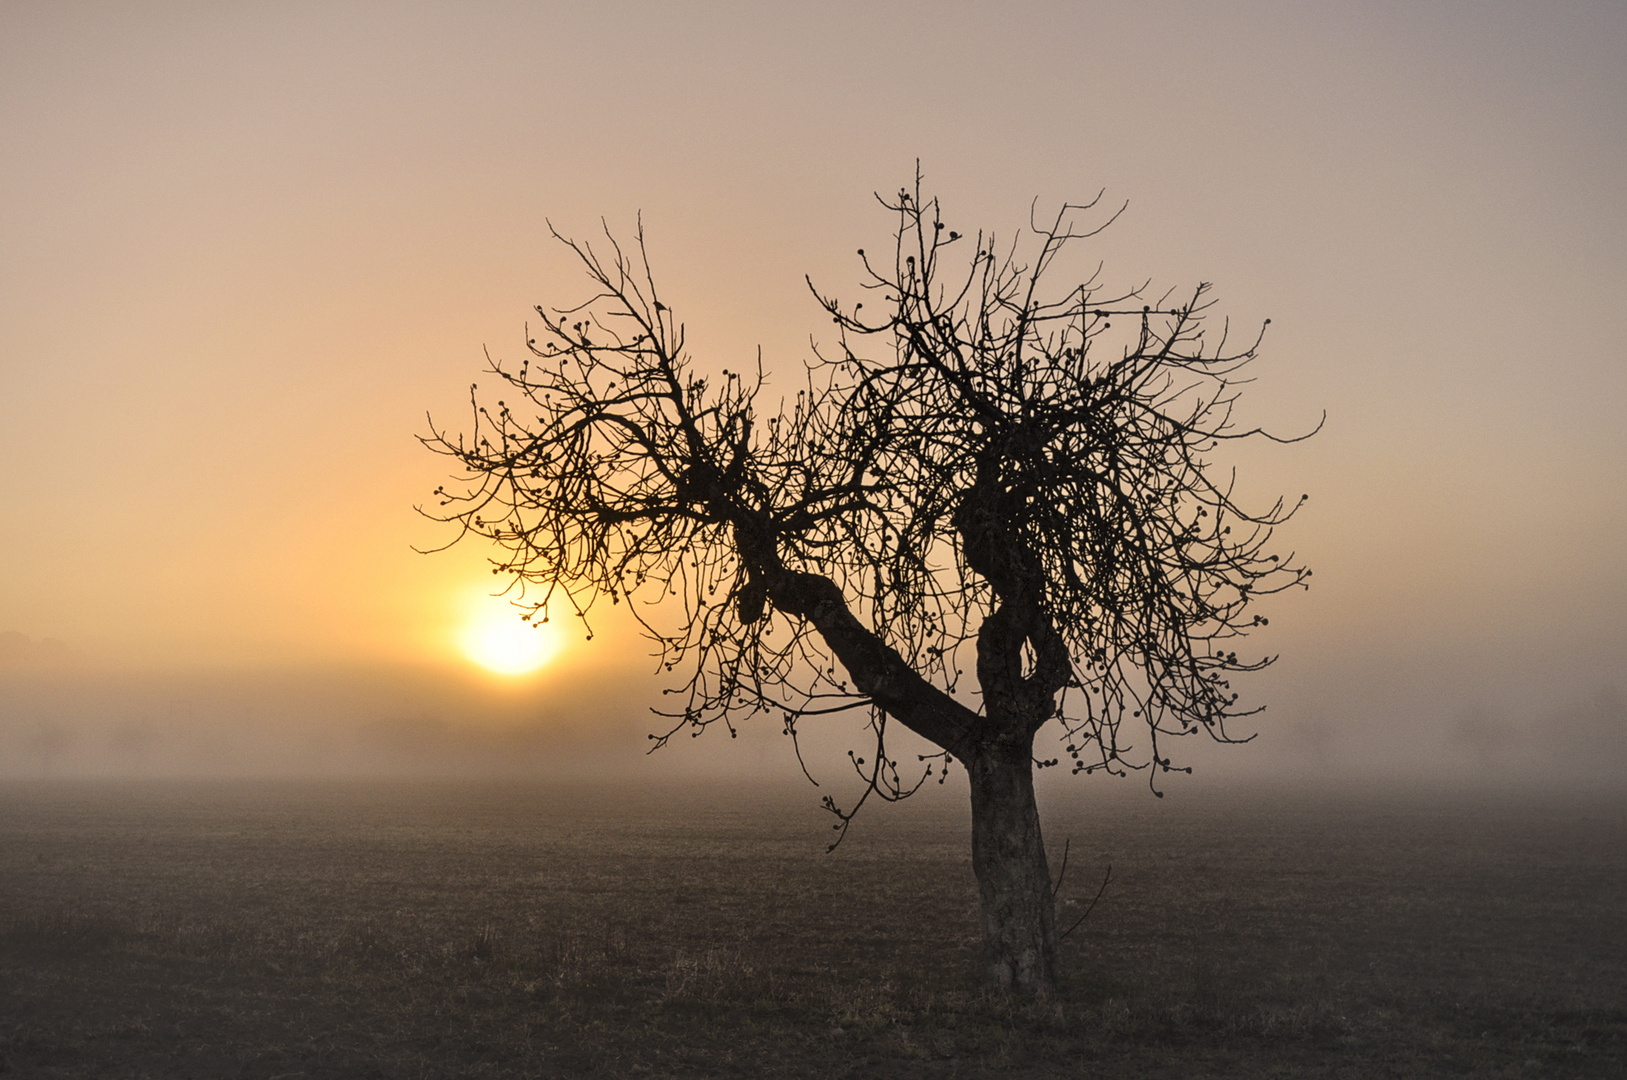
506, 930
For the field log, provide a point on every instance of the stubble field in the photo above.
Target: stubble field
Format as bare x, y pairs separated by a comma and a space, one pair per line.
505, 930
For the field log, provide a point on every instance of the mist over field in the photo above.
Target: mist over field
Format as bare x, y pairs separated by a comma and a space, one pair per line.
1455, 721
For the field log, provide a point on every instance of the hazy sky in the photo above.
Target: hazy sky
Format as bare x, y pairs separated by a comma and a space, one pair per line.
244, 248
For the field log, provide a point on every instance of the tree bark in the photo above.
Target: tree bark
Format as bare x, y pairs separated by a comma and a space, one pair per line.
876, 668
1008, 853
1013, 878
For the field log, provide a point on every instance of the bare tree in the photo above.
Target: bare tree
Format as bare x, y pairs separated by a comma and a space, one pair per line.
976, 470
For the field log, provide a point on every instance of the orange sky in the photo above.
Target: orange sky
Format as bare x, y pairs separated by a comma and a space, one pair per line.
246, 247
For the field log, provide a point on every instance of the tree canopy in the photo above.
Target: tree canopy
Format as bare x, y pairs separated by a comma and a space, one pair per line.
983, 471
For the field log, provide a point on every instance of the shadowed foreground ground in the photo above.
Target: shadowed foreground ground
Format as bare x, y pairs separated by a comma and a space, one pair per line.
500, 930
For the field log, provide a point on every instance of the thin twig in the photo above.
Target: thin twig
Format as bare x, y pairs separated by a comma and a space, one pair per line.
1080, 921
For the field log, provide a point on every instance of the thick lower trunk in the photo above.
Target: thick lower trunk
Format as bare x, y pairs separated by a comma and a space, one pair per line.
1008, 856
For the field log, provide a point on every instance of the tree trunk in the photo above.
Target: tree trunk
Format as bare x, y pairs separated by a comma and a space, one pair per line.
1008, 856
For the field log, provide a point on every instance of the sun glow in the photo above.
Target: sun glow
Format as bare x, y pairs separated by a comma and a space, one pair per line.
495, 638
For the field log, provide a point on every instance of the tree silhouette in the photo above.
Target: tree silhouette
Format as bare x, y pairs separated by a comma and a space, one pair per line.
975, 470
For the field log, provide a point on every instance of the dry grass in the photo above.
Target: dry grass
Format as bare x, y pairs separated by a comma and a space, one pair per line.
494, 931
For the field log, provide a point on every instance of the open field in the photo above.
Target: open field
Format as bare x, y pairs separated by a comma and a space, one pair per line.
495, 930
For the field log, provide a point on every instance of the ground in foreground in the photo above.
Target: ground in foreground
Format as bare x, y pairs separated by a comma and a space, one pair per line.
496, 930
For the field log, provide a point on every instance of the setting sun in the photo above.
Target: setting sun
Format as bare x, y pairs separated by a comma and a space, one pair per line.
497, 639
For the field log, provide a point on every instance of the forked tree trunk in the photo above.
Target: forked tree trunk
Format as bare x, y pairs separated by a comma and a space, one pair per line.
1013, 879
